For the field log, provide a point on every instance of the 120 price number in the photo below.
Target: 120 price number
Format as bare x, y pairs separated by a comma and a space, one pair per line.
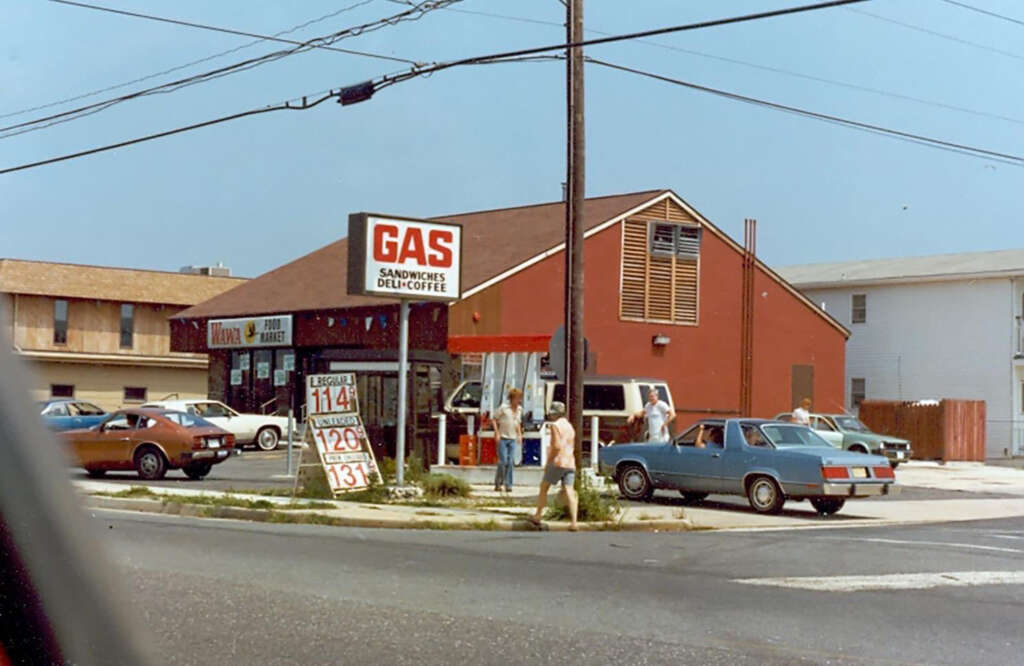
335, 440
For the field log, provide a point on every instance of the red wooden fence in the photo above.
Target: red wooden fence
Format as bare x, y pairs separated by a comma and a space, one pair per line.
946, 430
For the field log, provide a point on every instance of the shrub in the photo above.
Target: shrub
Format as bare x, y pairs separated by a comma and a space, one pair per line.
594, 506
414, 470
444, 485
388, 469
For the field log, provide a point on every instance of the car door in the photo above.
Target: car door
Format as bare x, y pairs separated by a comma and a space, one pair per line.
821, 426
108, 444
58, 417
691, 468
221, 416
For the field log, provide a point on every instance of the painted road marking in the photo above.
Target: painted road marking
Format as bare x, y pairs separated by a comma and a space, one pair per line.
1006, 536
907, 581
913, 542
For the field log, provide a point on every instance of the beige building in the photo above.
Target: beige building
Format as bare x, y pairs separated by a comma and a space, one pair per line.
102, 334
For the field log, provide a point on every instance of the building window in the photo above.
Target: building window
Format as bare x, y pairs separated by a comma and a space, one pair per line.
60, 322
859, 309
858, 391
135, 394
659, 271
127, 325
62, 390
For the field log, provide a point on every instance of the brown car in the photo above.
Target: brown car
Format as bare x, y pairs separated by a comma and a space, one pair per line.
150, 441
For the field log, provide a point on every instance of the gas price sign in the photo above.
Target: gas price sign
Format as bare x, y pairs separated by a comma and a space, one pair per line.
337, 432
332, 394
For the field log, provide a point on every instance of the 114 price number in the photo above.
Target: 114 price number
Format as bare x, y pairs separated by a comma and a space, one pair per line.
329, 399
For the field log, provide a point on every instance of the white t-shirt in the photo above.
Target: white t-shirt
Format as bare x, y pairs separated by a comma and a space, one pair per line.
657, 415
507, 419
801, 416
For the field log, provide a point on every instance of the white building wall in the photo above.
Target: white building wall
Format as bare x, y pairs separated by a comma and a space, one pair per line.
935, 340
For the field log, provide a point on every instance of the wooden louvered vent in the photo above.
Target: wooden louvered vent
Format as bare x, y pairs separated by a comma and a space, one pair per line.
659, 270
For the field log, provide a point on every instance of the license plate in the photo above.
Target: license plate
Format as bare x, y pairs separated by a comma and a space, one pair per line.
860, 472
213, 443
899, 455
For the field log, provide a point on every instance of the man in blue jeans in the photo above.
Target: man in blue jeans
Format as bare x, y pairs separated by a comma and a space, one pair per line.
508, 427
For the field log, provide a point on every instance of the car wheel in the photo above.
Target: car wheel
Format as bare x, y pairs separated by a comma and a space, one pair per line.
893, 464
826, 506
96, 473
764, 495
197, 471
267, 438
693, 498
634, 483
858, 448
150, 464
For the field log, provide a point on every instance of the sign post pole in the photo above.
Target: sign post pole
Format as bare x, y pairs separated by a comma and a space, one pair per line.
403, 386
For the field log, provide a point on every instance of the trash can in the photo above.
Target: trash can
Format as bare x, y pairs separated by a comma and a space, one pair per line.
531, 451
467, 450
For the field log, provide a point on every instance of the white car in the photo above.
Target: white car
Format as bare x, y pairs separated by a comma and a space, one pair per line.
264, 431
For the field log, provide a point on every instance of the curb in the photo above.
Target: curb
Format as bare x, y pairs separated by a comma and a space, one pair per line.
500, 523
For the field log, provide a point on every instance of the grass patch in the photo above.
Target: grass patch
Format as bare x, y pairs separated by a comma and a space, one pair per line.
594, 506
444, 485
134, 491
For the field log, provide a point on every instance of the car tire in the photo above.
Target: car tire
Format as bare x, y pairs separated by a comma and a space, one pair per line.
764, 495
693, 498
96, 473
267, 438
197, 471
150, 463
634, 484
858, 448
826, 506
893, 464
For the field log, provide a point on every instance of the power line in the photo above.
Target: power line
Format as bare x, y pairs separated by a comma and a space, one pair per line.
766, 68
177, 68
230, 31
416, 12
984, 11
1006, 158
953, 38
392, 79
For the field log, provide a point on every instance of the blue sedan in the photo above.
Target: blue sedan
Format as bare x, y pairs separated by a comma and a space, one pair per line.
767, 461
70, 414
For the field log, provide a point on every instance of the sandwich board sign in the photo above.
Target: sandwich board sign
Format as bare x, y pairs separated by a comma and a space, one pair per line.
335, 431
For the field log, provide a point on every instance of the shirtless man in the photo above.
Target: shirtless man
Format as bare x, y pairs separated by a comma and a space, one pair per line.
561, 465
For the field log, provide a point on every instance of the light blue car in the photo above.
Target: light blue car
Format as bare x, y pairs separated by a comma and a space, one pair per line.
70, 414
767, 461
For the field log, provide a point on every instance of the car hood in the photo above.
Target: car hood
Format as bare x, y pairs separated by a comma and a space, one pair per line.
619, 450
874, 437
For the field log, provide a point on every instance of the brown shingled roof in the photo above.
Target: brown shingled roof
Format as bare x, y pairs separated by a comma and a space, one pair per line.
45, 278
493, 242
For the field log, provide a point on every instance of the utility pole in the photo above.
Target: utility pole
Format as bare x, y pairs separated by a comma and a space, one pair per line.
574, 224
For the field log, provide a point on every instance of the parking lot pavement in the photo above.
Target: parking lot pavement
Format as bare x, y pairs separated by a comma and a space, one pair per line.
971, 478
249, 471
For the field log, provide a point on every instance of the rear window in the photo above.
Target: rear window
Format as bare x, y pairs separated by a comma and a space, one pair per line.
660, 388
597, 397
187, 420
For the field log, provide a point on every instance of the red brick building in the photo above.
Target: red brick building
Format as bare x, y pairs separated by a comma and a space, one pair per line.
654, 267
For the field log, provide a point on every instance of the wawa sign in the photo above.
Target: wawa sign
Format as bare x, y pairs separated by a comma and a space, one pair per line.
273, 331
404, 258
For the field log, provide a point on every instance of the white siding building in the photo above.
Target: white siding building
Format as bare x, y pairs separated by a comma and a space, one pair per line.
946, 326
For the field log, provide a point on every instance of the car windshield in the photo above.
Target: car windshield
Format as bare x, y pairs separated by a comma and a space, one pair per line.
785, 435
851, 424
187, 420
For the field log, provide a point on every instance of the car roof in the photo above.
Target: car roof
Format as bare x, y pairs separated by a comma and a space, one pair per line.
177, 403
744, 421
147, 411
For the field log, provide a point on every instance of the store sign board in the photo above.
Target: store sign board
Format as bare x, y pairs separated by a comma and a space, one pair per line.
404, 258
275, 331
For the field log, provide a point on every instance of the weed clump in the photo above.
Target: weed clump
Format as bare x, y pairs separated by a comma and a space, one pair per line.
444, 485
594, 506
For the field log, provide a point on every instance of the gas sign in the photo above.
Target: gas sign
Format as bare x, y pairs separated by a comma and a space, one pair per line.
404, 258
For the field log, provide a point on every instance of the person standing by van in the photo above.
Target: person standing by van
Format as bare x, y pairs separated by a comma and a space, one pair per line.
561, 465
508, 426
658, 415
802, 414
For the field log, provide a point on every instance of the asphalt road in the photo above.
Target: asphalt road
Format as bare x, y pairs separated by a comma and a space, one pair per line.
227, 592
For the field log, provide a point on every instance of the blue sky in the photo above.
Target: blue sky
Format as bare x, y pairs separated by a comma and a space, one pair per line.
261, 191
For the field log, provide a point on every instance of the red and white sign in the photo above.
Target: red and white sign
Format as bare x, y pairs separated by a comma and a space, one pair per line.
404, 258
275, 331
343, 477
331, 394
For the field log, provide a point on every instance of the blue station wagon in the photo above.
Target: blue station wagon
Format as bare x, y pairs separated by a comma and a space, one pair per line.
70, 414
767, 461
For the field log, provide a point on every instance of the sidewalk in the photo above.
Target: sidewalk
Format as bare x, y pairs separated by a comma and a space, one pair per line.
963, 476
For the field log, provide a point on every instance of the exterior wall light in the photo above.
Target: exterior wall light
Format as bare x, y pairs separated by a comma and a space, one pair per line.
660, 340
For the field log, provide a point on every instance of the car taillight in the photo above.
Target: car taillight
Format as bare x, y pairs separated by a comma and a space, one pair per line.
835, 472
198, 442
229, 441
883, 472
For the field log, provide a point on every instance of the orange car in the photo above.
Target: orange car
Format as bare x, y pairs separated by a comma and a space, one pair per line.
150, 441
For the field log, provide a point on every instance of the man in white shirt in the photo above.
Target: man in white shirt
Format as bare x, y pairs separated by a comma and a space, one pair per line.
802, 414
658, 414
508, 427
